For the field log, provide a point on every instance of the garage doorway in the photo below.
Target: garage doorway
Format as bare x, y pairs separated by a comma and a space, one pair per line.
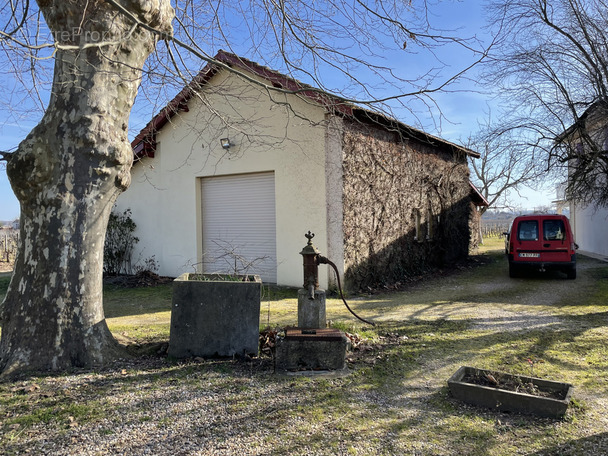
239, 225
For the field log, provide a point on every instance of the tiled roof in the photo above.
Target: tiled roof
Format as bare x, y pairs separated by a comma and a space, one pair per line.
144, 143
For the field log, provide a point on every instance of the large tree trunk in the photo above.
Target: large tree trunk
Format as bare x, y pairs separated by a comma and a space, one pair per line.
67, 174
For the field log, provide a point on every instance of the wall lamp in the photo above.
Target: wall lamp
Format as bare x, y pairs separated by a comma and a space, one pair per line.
225, 143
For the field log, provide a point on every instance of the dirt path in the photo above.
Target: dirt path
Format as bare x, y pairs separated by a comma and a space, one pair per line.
534, 300
496, 309
490, 299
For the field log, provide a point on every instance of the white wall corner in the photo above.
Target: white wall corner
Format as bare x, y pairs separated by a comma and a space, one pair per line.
334, 187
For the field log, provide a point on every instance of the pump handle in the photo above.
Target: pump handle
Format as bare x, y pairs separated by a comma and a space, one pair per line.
324, 260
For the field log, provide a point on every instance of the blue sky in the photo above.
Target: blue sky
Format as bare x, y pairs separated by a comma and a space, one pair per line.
463, 108
9, 206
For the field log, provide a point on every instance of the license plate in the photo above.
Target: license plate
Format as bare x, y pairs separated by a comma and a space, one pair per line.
529, 255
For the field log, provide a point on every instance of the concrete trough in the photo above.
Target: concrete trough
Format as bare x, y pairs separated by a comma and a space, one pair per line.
554, 405
214, 317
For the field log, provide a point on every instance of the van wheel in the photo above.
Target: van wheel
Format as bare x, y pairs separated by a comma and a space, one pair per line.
571, 273
513, 271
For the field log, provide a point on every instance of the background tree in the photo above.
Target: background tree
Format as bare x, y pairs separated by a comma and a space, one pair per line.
549, 67
69, 170
508, 164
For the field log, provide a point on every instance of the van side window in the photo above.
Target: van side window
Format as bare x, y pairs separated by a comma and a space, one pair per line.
554, 230
527, 230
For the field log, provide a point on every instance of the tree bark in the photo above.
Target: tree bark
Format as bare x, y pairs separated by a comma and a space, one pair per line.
67, 174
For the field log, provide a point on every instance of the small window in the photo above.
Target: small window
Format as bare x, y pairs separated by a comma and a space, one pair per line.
430, 228
528, 230
554, 230
417, 224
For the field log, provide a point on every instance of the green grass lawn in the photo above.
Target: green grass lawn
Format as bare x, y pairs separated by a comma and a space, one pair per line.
138, 315
395, 401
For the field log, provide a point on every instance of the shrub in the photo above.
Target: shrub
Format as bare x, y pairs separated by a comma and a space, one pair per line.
119, 243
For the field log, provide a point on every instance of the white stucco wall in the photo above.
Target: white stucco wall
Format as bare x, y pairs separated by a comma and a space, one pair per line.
589, 225
288, 139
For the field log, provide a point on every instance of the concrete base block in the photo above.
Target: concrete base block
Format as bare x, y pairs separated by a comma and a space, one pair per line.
306, 349
311, 312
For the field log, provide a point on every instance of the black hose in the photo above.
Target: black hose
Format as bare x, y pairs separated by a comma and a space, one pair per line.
324, 260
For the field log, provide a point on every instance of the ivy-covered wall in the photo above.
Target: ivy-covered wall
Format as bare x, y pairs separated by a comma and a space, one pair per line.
406, 206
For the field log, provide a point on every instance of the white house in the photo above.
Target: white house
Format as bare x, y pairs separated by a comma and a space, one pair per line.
589, 221
234, 171
589, 224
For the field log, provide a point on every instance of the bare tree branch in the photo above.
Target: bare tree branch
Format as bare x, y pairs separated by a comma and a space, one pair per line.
509, 161
551, 68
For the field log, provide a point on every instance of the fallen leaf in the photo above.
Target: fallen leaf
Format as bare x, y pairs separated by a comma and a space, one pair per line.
31, 388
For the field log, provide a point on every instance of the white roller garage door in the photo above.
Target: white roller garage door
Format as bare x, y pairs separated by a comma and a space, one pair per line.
239, 224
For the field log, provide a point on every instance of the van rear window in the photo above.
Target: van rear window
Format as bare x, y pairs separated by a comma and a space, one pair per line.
554, 230
527, 230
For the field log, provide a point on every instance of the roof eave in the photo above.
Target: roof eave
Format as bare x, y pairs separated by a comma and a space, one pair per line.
481, 200
144, 143
409, 131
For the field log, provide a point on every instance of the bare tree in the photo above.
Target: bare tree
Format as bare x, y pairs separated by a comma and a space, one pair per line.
69, 170
67, 174
508, 163
550, 67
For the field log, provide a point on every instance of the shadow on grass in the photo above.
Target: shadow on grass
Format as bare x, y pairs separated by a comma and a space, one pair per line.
122, 302
596, 444
278, 292
560, 353
485, 283
392, 402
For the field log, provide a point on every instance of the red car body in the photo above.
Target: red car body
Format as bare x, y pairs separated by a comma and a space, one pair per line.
541, 242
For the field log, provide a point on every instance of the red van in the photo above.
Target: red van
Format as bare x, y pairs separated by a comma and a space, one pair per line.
541, 242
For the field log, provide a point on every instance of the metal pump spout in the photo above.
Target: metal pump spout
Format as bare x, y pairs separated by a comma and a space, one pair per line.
310, 255
312, 260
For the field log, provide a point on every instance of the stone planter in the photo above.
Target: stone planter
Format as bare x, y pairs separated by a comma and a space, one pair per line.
212, 317
553, 405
